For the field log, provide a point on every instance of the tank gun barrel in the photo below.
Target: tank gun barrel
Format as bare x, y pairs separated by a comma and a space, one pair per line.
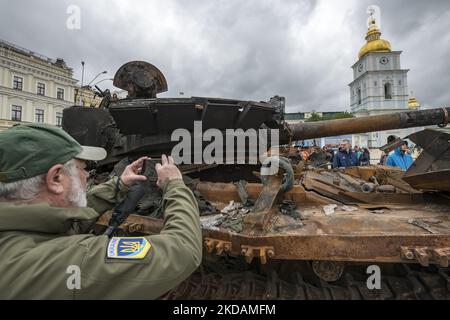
399, 120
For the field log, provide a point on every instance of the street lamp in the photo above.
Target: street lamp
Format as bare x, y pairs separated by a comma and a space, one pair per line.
82, 72
82, 78
104, 72
82, 81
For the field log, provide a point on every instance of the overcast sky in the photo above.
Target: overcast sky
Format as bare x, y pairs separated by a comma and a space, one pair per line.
244, 49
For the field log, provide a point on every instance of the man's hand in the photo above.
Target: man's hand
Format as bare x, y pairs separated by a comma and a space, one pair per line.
167, 171
131, 174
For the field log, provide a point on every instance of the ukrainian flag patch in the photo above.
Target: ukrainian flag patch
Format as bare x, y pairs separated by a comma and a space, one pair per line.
128, 248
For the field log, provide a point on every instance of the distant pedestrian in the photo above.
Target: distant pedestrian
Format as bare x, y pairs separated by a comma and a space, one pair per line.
329, 154
364, 159
358, 152
400, 158
345, 157
383, 158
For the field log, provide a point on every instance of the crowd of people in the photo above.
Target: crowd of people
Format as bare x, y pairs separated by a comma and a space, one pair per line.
345, 156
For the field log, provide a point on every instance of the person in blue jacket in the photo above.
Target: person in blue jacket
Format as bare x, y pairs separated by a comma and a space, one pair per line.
345, 157
400, 158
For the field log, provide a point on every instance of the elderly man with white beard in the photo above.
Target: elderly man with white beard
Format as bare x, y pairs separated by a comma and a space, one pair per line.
47, 248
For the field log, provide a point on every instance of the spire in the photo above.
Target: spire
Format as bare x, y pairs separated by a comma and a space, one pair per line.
373, 38
373, 32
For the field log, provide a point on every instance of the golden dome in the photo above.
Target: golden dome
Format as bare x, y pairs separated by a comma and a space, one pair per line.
374, 41
413, 103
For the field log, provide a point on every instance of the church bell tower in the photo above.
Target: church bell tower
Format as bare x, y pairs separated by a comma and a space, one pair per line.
379, 83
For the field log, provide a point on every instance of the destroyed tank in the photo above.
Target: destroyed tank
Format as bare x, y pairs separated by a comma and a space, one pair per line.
301, 233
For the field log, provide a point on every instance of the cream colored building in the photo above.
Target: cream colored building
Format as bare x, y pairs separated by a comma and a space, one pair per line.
33, 88
88, 97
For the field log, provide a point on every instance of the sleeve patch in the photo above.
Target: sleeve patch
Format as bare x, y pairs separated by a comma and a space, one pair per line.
128, 248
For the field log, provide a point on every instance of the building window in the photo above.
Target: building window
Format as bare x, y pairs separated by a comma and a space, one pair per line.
16, 113
358, 94
60, 94
17, 83
375, 83
59, 117
388, 91
41, 89
399, 82
39, 116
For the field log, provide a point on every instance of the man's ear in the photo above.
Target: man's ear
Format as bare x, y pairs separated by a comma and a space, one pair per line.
54, 180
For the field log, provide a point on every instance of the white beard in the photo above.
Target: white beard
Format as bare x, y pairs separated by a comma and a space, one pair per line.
77, 196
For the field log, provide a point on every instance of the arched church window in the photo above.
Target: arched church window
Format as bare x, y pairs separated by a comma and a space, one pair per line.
388, 91
358, 95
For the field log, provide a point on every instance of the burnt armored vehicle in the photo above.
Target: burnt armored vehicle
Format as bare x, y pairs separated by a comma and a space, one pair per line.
301, 233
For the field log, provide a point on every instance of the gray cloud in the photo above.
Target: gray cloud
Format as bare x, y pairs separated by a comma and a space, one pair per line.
252, 49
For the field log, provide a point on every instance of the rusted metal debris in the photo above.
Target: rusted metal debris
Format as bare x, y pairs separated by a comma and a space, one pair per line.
422, 225
259, 217
431, 171
426, 255
348, 238
263, 253
217, 246
358, 234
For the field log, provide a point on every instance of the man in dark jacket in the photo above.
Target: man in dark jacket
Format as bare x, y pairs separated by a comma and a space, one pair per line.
345, 157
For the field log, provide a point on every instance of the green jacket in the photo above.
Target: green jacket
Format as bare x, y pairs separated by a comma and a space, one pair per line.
39, 244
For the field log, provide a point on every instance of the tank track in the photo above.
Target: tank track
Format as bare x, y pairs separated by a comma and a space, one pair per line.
398, 282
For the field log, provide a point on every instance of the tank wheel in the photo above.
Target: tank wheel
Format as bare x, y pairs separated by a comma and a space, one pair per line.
329, 271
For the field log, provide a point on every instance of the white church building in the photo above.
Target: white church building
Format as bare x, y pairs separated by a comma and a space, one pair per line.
379, 86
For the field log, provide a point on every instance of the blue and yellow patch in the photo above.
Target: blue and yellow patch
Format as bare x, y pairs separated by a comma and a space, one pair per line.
128, 248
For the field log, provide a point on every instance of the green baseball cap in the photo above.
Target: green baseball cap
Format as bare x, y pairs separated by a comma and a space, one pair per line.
29, 150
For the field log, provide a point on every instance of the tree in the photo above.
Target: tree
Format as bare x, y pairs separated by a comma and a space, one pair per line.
314, 117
